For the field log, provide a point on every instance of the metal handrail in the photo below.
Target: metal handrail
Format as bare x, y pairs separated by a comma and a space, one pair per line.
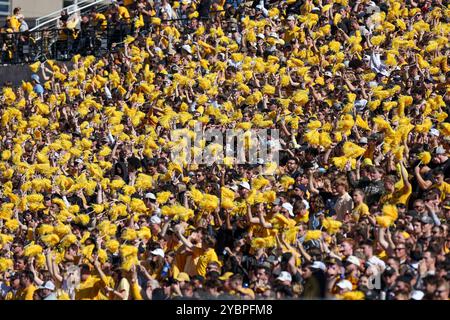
76, 8
43, 44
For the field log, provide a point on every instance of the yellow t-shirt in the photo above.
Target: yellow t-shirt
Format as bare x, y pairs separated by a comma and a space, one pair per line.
190, 265
203, 260
304, 218
400, 196
360, 211
12, 295
27, 293
124, 14
14, 23
259, 231
291, 34
123, 285
89, 289
100, 20
444, 188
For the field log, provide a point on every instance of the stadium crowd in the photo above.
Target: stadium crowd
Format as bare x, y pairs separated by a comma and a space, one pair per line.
93, 206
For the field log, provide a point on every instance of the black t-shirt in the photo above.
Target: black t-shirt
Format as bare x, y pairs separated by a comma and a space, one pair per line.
203, 8
329, 201
225, 238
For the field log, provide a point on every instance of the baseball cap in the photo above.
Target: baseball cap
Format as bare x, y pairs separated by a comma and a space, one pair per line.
187, 48
412, 213
353, 260
35, 77
48, 285
155, 220
226, 276
158, 252
417, 295
290, 18
319, 265
446, 205
289, 208
389, 271
345, 284
434, 132
183, 276
284, 276
247, 292
427, 220
150, 195
245, 185
274, 35
363, 140
301, 187
439, 150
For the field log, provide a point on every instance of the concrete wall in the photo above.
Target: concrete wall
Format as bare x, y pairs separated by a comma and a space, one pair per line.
37, 8
18, 72
15, 74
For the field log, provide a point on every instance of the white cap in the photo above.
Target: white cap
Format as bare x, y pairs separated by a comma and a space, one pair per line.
417, 295
328, 74
319, 265
290, 18
155, 220
158, 252
289, 208
345, 284
150, 195
245, 185
363, 140
274, 35
260, 35
234, 188
440, 150
284, 276
187, 48
434, 132
48, 285
354, 260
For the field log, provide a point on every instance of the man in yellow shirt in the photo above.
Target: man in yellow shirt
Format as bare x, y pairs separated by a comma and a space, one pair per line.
90, 285
124, 14
99, 20
400, 195
14, 288
440, 184
292, 30
28, 288
14, 20
201, 255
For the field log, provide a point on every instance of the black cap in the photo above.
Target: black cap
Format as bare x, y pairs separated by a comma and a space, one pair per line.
412, 213
388, 272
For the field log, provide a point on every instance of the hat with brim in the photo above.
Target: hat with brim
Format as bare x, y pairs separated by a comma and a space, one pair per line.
187, 48
226, 276
150, 196
183, 276
158, 252
245, 185
345, 284
284, 276
35, 77
48, 285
